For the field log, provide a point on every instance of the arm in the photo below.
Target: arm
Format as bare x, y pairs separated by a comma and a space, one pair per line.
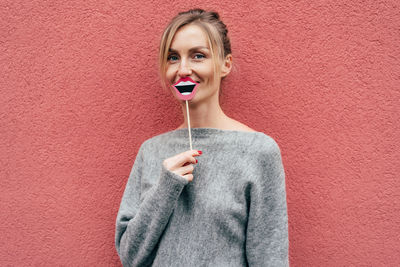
140, 225
267, 242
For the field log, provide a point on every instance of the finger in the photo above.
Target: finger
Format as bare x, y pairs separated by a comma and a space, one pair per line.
187, 156
188, 177
193, 161
185, 170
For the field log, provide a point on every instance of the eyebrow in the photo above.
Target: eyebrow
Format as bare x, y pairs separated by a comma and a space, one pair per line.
191, 49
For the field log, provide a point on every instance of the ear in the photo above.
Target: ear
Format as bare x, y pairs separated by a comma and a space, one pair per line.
226, 66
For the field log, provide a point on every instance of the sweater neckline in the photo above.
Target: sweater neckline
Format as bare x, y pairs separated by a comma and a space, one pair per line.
207, 131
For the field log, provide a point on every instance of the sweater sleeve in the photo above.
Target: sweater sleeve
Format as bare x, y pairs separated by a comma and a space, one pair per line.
140, 224
267, 242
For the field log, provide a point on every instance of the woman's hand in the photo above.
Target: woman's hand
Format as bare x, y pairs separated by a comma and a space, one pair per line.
182, 164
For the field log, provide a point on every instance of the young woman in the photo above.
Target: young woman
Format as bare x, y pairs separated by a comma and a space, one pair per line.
223, 204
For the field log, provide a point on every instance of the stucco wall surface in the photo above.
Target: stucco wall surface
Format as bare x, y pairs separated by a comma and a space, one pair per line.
80, 92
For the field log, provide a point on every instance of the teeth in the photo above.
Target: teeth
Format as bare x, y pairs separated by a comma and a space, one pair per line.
186, 93
185, 83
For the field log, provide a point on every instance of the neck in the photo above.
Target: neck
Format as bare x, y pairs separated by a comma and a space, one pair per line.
204, 114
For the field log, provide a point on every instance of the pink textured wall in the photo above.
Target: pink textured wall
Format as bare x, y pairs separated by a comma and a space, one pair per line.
80, 93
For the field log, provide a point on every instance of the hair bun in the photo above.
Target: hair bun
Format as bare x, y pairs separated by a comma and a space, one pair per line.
197, 10
215, 15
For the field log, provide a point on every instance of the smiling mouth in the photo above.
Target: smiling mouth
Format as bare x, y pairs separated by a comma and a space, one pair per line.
185, 88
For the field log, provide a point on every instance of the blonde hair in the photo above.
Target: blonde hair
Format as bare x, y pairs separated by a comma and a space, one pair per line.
215, 29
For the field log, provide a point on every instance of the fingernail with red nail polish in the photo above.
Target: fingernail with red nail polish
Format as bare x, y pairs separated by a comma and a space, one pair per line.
200, 152
196, 160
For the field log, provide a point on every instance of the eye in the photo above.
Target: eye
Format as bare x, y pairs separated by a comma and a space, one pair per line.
172, 57
199, 56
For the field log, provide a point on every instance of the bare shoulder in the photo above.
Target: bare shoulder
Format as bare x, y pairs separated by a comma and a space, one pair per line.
263, 142
238, 126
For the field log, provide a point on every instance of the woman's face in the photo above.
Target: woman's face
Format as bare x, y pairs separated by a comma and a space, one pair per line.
190, 56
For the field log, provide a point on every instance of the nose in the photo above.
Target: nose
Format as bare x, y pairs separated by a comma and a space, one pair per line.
184, 68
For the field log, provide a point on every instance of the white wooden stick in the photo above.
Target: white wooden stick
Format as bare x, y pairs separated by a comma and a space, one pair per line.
188, 118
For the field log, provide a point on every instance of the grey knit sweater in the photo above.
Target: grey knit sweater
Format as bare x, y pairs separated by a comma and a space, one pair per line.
233, 213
